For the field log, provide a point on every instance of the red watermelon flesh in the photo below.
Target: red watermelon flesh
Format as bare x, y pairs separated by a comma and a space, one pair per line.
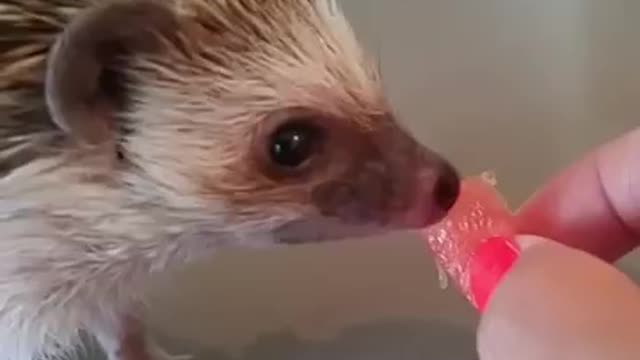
479, 214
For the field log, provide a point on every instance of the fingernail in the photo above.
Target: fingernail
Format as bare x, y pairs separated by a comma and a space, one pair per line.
489, 263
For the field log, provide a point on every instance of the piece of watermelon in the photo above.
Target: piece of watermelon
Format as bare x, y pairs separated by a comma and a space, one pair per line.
479, 214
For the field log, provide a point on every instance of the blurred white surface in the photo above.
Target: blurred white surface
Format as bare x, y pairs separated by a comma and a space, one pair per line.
521, 87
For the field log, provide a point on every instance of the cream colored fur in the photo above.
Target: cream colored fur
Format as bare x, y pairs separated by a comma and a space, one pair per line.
81, 233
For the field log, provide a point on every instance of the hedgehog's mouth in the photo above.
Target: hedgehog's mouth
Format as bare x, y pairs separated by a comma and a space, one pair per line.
323, 229
326, 229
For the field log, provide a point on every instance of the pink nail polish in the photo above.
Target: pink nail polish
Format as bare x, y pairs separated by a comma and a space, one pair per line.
491, 260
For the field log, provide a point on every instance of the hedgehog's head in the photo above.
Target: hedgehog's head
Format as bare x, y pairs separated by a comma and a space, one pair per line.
266, 109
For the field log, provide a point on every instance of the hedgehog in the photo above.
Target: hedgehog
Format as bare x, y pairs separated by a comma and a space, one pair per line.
137, 136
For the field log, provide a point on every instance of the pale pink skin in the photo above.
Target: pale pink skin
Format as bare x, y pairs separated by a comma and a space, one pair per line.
480, 213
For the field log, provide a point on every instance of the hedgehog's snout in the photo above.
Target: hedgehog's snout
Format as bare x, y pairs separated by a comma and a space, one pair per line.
377, 196
393, 195
392, 181
446, 189
436, 191
424, 184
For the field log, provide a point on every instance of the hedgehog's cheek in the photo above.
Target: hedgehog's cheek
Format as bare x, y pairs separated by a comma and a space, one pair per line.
339, 210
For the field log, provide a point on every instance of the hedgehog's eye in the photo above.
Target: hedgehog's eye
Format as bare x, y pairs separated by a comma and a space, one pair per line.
293, 143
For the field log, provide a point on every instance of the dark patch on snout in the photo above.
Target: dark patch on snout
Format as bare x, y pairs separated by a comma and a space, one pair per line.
391, 191
392, 182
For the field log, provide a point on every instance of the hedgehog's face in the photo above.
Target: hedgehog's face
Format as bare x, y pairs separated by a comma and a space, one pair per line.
266, 107
336, 178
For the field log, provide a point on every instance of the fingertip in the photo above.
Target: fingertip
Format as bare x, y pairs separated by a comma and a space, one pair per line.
495, 257
591, 205
492, 260
528, 241
561, 303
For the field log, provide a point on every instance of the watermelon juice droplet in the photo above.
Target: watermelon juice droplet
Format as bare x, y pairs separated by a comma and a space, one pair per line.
479, 214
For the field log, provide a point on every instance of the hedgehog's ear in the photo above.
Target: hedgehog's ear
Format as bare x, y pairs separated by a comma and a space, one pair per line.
84, 69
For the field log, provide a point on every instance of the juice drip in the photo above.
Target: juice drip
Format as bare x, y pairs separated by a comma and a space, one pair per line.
479, 213
443, 278
490, 178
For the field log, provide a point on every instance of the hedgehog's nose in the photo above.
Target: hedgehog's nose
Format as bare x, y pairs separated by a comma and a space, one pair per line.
446, 188
436, 191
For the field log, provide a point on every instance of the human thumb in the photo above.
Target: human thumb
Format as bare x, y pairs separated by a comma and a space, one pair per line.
554, 302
